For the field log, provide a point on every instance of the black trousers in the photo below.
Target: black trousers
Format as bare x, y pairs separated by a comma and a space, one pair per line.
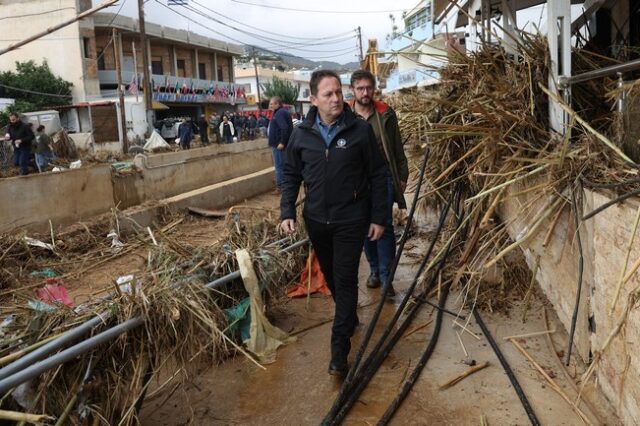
339, 247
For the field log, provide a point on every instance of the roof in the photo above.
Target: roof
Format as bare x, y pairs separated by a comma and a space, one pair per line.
83, 104
111, 20
443, 7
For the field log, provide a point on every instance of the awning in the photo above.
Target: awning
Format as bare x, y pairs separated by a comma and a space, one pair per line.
155, 105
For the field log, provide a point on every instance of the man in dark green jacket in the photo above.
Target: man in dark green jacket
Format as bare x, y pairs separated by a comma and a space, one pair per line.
384, 122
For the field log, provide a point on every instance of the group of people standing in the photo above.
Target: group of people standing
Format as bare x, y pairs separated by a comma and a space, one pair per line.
27, 145
225, 128
351, 161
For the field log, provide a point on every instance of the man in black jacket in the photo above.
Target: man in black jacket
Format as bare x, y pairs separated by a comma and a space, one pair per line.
20, 135
279, 131
336, 155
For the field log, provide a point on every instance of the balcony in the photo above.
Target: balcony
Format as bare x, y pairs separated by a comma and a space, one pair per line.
409, 36
411, 78
168, 88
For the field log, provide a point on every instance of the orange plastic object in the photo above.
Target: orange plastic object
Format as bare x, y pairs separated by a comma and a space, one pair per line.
318, 283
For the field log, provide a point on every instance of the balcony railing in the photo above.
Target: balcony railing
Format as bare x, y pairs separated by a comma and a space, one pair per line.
169, 88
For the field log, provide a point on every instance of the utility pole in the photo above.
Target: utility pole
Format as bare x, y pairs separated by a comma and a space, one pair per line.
360, 44
146, 75
123, 119
255, 67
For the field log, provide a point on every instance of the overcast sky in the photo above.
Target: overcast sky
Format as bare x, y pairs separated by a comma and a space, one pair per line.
311, 27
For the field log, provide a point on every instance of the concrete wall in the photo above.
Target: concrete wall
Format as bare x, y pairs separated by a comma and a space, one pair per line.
605, 239
166, 175
29, 202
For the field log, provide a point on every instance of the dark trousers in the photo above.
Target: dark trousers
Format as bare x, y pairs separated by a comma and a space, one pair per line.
382, 252
21, 158
338, 248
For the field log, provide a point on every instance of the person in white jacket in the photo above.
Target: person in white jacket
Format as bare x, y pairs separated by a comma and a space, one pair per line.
226, 130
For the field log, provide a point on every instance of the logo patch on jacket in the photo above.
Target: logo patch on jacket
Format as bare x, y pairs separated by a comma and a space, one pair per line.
341, 143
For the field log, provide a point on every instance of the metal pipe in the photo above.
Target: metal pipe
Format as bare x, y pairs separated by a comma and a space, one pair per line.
27, 362
602, 72
68, 354
53, 345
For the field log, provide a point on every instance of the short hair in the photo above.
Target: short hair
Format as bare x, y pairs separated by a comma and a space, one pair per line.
318, 75
361, 75
40, 128
277, 100
14, 114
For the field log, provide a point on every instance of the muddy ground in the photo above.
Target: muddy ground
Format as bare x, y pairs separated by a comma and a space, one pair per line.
296, 389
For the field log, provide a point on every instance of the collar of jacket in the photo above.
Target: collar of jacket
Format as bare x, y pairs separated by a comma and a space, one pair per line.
310, 120
380, 106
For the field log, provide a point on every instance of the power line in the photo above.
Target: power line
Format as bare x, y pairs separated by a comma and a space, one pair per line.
269, 32
36, 14
33, 92
226, 36
277, 42
316, 10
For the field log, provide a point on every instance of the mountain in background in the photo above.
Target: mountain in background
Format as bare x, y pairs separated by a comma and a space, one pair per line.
285, 61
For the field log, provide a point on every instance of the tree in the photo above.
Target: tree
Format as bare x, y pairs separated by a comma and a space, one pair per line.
38, 88
285, 89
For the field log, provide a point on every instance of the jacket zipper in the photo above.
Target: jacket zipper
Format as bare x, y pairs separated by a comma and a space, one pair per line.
326, 168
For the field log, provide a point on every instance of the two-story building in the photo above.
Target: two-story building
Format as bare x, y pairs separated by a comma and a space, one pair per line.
191, 74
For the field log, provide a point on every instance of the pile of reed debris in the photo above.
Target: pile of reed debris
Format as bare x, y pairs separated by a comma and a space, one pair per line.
174, 322
486, 128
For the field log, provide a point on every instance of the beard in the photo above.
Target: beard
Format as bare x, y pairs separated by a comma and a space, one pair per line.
364, 101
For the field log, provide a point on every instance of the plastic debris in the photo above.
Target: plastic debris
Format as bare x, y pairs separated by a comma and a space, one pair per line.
37, 243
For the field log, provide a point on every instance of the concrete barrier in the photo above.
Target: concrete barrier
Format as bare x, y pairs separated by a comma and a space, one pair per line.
216, 196
29, 202
605, 239
166, 175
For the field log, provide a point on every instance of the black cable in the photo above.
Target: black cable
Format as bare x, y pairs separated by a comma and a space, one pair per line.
574, 317
610, 203
507, 369
377, 356
363, 345
426, 355
380, 353
609, 185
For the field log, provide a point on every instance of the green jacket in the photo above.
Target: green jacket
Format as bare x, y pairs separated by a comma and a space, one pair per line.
392, 147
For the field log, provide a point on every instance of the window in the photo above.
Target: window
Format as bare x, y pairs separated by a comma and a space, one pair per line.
86, 47
181, 68
306, 93
220, 74
202, 71
156, 65
101, 64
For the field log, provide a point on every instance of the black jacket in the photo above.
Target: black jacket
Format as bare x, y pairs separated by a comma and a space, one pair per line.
280, 128
21, 130
345, 183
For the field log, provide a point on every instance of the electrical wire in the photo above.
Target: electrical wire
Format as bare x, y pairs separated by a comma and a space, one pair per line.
34, 92
280, 43
36, 14
269, 32
226, 36
317, 11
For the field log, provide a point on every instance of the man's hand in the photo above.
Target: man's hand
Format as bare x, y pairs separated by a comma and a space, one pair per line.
375, 232
403, 187
280, 147
288, 226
